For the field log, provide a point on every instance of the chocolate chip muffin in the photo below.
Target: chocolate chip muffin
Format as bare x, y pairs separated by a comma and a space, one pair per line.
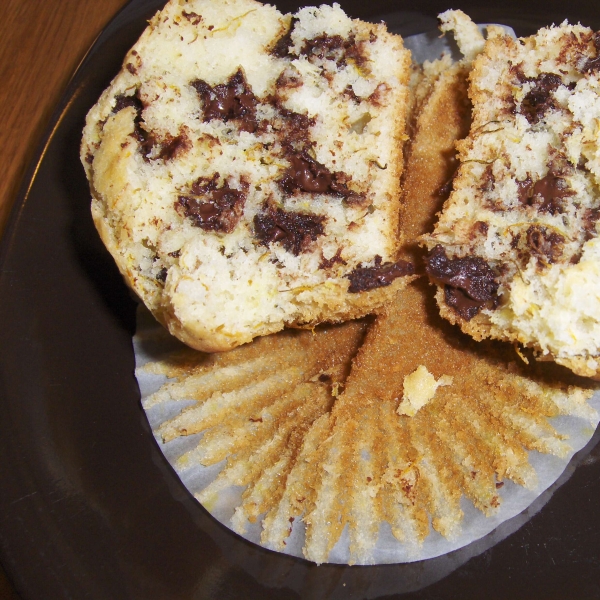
516, 254
244, 168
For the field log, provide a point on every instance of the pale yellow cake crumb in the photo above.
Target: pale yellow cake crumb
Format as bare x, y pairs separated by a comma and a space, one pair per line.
420, 387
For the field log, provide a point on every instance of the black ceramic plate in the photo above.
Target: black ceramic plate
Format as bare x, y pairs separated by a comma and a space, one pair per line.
89, 508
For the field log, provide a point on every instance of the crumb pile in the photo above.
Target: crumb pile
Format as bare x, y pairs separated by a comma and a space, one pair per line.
245, 168
516, 253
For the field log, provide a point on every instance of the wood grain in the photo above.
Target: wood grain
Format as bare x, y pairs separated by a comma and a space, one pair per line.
41, 44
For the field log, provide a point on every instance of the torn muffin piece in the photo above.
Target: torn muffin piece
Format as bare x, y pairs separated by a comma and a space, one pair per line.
245, 168
515, 253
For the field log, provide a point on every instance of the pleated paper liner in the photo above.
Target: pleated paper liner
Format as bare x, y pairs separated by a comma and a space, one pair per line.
302, 441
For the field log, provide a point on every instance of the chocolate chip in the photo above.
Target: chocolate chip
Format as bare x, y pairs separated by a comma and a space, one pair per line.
294, 230
233, 100
471, 280
334, 47
548, 194
524, 190
162, 275
544, 243
308, 175
294, 126
590, 218
122, 101
288, 80
466, 307
171, 146
284, 43
147, 140
539, 100
379, 275
322, 46
211, 207
192, 17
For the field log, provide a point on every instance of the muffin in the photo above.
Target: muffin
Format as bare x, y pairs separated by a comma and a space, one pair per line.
515, 253
245, 165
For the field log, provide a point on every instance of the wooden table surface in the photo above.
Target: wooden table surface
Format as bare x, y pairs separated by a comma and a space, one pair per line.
41, 44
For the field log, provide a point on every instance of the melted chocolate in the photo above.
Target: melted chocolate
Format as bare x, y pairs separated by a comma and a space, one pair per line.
282, 47
170, 146
308, 175
145, 140
334, 47
327, 263
539, 99
549, 194
233, 100
379, 275
524, 190
210, 207
295, 125
294, 230
544, 243
471, 276
546, 195
466, 307
322, 46
593, 64
590, 218
122, 101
